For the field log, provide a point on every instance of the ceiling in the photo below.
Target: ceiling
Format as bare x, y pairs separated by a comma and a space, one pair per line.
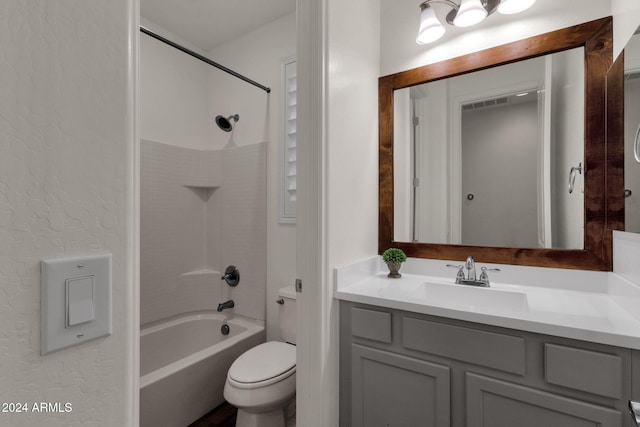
209, 23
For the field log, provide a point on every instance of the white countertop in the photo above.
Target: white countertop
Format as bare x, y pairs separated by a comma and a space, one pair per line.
602, 308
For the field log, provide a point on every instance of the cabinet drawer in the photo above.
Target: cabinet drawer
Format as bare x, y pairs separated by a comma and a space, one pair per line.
584, 370
497, 351
371, 324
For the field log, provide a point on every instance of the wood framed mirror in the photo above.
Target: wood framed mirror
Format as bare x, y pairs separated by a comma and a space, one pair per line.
601, 215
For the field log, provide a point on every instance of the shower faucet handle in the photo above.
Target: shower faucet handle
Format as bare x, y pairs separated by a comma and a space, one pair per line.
231, 276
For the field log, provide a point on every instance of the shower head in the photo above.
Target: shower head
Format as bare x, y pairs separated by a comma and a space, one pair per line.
225, 124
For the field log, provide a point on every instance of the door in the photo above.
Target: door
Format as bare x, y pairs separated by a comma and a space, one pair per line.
394, 390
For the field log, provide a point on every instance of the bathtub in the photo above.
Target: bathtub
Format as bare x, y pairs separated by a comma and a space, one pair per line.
184, 363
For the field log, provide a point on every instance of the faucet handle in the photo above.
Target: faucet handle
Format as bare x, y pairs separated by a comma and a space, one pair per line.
484, 277
460, 275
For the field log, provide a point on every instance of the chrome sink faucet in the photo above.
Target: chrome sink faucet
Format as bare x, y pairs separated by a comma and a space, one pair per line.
470, 265
470, 278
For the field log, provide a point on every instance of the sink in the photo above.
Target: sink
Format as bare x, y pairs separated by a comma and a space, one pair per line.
471, 298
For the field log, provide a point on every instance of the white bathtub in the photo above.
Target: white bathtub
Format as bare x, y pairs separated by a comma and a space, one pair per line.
184, 363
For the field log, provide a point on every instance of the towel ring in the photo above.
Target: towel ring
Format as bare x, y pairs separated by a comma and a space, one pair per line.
572, 176
636, 146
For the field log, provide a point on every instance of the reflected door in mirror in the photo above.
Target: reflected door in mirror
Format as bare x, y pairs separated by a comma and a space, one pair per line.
500, 142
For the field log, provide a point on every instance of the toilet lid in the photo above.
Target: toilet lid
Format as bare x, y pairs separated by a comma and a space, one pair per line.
263, 362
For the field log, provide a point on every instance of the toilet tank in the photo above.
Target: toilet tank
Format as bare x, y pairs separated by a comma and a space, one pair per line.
288, 314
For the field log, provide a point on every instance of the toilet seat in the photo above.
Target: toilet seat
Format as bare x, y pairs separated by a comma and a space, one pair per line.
263, 365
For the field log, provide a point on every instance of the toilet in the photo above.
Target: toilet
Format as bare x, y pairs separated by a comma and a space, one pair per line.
261, 383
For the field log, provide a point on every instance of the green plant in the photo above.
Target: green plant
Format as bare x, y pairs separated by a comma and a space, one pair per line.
394, 256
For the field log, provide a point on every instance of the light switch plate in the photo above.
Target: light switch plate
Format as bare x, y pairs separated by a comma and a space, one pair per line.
75, 301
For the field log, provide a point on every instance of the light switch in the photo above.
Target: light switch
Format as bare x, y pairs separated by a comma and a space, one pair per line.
80, 300
75, 301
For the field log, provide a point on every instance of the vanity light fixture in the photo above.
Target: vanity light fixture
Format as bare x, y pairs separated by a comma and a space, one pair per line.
471, 12
465, 14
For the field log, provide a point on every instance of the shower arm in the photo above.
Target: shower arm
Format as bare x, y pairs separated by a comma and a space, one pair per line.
203, 58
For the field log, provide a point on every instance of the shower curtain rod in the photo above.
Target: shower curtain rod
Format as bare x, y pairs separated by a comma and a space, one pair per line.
203, 58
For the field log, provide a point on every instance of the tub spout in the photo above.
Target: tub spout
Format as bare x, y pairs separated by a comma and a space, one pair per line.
225, 305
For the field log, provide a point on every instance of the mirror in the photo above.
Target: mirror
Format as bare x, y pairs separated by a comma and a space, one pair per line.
595, 253
493, 157
632, 133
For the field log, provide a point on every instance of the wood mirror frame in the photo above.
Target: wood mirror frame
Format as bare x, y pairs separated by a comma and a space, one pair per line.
600, 214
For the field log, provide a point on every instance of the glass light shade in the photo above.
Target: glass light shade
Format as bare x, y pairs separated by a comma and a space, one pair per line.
470, 13
430, 27
509, 7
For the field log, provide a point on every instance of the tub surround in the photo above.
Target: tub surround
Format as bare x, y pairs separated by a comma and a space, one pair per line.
202, 210
600, 307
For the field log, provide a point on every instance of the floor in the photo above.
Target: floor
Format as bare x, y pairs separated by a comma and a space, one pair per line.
222, 416
225, 416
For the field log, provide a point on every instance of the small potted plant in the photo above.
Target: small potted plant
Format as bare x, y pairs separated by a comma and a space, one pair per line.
394, 258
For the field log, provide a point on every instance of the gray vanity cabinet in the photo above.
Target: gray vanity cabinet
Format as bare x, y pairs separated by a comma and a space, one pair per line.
405, 369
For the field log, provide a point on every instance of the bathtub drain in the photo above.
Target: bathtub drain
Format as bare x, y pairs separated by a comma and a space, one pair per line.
225, 329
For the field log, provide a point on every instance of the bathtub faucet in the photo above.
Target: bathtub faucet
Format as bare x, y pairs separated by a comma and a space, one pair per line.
225, 305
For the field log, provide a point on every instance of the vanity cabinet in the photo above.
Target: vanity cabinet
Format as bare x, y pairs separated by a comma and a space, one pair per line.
399, 368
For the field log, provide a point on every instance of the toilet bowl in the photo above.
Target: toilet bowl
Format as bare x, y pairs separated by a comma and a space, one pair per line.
261, 383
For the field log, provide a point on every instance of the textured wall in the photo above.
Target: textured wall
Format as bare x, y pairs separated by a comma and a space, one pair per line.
201, 211
63, 192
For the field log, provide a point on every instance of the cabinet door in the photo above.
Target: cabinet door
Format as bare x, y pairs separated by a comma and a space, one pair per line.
494, 403
390, 390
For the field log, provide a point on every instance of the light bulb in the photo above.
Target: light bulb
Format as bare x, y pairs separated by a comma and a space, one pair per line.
470, 13
509, 7
430, 27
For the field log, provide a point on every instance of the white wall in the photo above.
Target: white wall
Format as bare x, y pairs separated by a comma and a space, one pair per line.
173, 96
256, 55
66, 189
337, 158
352, 149
626, 18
